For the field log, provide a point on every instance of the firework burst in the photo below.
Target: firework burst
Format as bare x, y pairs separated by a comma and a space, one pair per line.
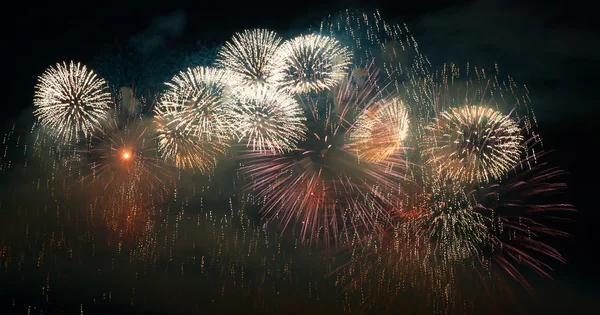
380, 131
267, 119
451, 224
312, 63
321, 185
71, 100
198, 100
183, 149
473, 144
522, 209
124, 159
251, 57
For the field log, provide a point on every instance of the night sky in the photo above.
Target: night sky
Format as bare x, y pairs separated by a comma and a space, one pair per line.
550, 47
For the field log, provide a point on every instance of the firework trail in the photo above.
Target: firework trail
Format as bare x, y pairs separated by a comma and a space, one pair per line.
127, 218
312, 63
71, 100
393, 49
322, 185
251, 57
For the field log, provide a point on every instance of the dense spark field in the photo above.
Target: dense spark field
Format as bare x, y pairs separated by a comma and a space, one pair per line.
335, 171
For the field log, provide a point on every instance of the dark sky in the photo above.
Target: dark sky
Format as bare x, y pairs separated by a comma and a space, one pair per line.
550, 46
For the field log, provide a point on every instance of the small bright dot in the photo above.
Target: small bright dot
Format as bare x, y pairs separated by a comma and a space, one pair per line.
126, 155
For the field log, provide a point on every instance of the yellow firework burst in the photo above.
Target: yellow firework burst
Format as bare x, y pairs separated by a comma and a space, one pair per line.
268, 119
455, 230
250, 56
312, 63
380, 131
71, 100
472, 144
184, 149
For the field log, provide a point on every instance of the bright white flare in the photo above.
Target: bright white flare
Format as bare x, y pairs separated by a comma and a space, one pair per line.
472, 144
312, 63
72, 100
380, 131
268, 119
250, 56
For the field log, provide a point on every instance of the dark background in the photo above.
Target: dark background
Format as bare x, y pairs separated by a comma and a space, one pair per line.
550, 46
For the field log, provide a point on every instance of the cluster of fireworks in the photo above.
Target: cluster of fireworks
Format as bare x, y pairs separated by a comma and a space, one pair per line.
343, 137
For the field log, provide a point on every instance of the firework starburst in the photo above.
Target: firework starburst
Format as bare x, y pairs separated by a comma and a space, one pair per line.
250, 56
267, 119
312, 63
473, 144
198, 98
182, 148
71, 100
321, 185
123, 159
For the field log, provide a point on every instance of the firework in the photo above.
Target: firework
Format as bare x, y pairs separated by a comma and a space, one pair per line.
268, 119
312, 63
251, 56
473, 144
198, 98
521, 209
182, 148
391, 46
321, 185
123, 159
71, 100
449, 221
380, 131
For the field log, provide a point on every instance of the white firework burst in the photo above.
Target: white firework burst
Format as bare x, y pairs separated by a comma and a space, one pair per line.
71, 100
472, 144
250, 56
268, 119
312, 63
198, 101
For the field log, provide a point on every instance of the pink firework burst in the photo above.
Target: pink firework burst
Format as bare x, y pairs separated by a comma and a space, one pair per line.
322, 185
525, 209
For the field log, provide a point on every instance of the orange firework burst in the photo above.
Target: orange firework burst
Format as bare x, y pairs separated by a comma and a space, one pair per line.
125, 155
380, 132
